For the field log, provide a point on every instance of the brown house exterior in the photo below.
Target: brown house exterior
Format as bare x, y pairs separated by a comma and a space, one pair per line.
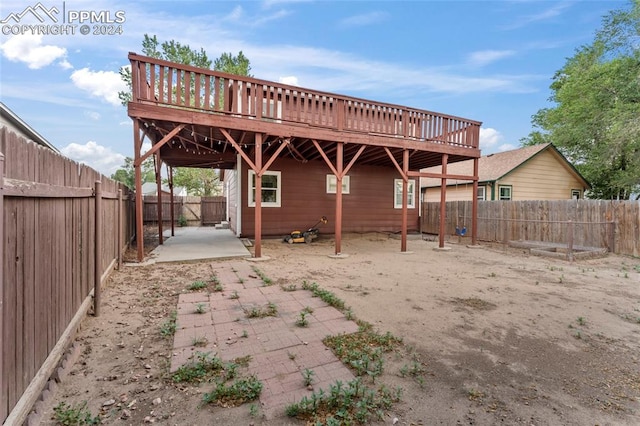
538, 172
288, 152
306, 195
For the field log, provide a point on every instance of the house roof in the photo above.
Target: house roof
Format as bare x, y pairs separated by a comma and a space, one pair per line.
493, 167
9, 117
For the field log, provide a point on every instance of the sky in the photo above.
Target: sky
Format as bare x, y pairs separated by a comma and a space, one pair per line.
490, 61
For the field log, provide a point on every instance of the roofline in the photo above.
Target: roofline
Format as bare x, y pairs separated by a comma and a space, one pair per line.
567, 162
25, 128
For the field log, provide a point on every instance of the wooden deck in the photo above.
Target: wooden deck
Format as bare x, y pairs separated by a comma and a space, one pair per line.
167, 94
196, 117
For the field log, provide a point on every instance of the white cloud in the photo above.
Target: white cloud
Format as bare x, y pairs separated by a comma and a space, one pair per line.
363, 19
98, 157
335, 71
28, 48
485, 57
236, 13
291, 80
550, 13
489, 138
65, 65
506, 147
92, 115
268, 3
102, 84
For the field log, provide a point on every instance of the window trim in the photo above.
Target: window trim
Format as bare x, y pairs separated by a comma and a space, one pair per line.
484, 192
411, 195
251, 190
578, 192
333, 181
510, 187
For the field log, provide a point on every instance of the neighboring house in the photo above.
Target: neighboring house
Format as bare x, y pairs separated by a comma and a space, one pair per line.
538, 172
14, 123
151, 188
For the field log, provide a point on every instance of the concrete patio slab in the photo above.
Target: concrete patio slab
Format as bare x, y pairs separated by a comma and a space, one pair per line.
198, 243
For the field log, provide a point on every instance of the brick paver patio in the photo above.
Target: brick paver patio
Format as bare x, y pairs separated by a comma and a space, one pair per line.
280, 350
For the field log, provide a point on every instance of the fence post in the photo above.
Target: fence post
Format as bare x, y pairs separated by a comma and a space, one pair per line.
97, 270
570, 241
3, 413
505, 238
120, 230
612, 237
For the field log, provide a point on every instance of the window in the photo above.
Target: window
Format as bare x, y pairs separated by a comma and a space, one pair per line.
411, 199
504, 193
271, 189
481, 194
332, 182
576, 194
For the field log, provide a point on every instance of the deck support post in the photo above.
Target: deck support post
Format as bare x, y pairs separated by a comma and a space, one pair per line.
340, 172
159, 200
258, 197
339, 176
405, 189
173, 219
443, 200
474, 204
404, 174
137, 141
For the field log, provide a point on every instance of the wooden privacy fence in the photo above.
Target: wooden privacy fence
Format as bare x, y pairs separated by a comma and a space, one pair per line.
150, 208
195, 210
63, 230
614, 225
214, 210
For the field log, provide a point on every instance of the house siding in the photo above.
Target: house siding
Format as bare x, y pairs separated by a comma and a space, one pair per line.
368, 207
231, 182
543, 177
462, 192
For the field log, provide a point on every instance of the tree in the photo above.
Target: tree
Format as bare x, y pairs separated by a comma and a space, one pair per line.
238, 65
202, 182
126, 174
596, 118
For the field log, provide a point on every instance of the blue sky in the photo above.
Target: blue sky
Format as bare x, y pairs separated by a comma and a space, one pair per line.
490, 61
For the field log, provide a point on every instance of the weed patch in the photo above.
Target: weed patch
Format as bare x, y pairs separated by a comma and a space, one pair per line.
363, 350
168, 328
68, 415
344, 404
197, 285
271, 310
266, 280
325, 295
237, 393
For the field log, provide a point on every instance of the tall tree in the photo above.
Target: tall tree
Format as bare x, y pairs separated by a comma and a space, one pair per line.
596, 118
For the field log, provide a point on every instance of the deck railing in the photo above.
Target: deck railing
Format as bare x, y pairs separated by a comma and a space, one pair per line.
181, 86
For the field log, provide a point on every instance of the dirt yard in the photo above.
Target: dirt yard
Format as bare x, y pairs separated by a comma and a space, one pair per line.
491, 336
